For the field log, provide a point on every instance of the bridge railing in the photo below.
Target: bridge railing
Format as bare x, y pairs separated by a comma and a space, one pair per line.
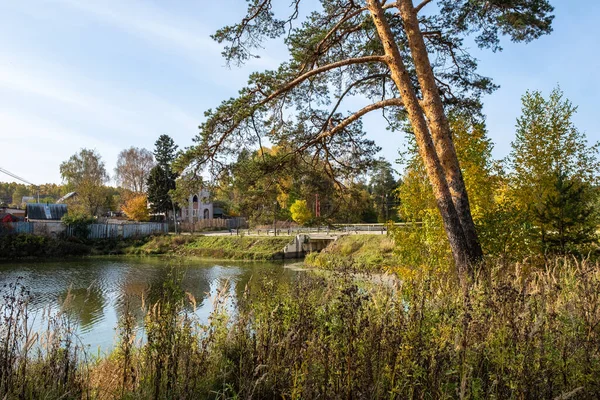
340, 228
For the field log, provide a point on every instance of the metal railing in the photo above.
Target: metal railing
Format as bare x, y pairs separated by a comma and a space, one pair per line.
293, 229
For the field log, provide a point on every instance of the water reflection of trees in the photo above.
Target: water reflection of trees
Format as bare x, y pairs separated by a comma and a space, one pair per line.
135, 292
94, 291
84, 297
138, 292
85, 305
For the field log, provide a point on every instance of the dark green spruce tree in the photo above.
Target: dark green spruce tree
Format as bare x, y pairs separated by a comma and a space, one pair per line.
408, 61
162, 178
567, 218
381, 187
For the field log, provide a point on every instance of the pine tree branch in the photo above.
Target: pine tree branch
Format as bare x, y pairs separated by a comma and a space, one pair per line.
290, 85
214, 148
337, 26
353, 118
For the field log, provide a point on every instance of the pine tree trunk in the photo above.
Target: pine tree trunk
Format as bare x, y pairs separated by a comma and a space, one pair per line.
439, 126
427, 151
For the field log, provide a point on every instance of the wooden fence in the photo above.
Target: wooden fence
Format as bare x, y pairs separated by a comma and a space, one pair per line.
213, 223
145, 229
14, 228
96, 231
106, 231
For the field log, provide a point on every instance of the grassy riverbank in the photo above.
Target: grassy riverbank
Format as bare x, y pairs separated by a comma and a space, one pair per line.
220, 247
526, 333
355, 252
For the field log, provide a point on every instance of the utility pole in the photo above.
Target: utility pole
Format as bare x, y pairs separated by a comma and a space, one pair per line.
387, 208
274, 219
174, 216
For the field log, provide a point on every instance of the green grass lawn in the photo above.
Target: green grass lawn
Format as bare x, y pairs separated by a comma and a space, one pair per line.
360, 252
219, 247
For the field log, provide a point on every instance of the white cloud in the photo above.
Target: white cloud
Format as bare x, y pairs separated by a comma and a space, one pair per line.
115, 108
49, 113
34, 147
189, 38
151, 24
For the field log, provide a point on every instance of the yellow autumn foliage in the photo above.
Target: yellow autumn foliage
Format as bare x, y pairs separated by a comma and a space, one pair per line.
136, 208
300, 212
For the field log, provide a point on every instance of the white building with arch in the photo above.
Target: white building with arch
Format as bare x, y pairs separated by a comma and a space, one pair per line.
199, 207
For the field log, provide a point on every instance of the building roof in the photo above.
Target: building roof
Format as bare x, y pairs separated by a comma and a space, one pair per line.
45, 211
219, 211
14, 211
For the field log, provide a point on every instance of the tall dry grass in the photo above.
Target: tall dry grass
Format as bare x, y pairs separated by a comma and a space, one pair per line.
49, 363
524, 332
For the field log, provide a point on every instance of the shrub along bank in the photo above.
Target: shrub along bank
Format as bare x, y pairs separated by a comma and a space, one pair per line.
32, 246
221, 247
356, 252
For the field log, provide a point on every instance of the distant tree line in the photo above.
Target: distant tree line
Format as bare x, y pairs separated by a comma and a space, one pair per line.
541, 199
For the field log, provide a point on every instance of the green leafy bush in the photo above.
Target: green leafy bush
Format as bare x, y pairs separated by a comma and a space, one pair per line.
24, 245
78, 224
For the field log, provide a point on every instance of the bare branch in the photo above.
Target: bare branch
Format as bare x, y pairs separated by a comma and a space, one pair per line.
294, 15
449, 45
356, 83
258, 136
420, 6
432, 33
337, 26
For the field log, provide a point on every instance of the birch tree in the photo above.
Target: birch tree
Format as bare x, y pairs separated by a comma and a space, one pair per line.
407, 61
85, 173
133, 169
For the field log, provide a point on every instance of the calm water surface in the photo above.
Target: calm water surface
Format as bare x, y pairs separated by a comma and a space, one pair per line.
101, 289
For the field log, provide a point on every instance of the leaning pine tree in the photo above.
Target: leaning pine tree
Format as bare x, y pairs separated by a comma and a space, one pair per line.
408, 61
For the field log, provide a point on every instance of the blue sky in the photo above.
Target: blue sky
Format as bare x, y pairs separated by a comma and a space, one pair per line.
113, 74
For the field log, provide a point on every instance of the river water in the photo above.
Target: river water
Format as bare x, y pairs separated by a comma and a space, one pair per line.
101, 289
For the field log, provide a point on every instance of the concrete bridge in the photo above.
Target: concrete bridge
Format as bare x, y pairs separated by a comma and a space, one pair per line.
307, 243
